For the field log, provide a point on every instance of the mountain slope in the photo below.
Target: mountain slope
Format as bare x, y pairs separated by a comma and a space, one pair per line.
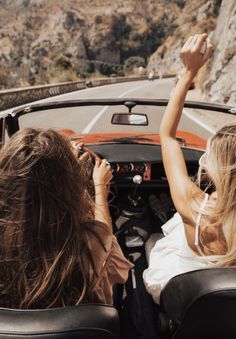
44, 41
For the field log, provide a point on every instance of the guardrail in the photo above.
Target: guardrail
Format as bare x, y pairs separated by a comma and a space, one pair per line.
20, 96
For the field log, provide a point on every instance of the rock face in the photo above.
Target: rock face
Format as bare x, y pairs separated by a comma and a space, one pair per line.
221, 83
197, 16
218, 19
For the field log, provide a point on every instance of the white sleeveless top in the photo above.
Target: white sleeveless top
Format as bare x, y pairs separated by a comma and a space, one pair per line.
171, 255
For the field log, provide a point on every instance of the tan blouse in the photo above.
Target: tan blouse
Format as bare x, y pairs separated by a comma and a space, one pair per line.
111, 265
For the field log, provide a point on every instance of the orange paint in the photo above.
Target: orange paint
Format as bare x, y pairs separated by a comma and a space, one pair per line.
191, 140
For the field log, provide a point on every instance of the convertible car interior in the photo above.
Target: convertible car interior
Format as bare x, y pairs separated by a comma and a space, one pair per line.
198, 304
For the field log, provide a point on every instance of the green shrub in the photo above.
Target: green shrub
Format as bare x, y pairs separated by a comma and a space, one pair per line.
90, 67
98, 19
134, 61
108, 69
216, 7
3, 77
25, 3
158, 32
180, 3
63, 61
120, 29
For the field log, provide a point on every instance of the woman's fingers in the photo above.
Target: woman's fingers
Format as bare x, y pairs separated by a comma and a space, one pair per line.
194, 42
196, 52
107, 169
207, 53
77, 148
102, 173
97, 162
84, 156
187, 43
105, 164
200, 41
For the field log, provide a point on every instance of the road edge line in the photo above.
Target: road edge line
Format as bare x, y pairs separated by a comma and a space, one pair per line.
198, 122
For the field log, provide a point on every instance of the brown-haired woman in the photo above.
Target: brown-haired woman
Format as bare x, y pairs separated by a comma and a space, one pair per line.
56, 246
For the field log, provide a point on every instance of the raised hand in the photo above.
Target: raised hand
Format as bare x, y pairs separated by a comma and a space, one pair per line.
195, 52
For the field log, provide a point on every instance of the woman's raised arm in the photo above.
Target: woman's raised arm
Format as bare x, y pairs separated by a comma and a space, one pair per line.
179, 182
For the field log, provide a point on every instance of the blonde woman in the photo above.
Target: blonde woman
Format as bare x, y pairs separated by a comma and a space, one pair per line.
203, 231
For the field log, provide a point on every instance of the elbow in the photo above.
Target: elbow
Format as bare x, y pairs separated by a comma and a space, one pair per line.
162, 130
165, 136
166, 133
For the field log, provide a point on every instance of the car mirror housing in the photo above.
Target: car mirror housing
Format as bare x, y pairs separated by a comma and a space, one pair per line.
134, 119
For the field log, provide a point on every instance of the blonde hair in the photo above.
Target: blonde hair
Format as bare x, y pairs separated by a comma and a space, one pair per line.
219, 169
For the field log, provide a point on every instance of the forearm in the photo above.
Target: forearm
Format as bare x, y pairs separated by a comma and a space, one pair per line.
175, 106
172, 156
102, 212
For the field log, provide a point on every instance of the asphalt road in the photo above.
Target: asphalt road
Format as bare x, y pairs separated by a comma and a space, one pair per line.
97, 118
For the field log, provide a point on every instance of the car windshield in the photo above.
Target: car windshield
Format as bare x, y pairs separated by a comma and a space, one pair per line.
101, 103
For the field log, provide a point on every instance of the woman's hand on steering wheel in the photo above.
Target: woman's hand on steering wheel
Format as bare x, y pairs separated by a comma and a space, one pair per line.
81, 152
102, 173
78, 150
98, 170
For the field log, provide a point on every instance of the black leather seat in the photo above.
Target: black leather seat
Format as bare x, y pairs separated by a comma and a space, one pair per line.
86, 321
200, 305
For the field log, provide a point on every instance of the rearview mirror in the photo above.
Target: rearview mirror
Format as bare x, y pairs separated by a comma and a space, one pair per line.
134, 119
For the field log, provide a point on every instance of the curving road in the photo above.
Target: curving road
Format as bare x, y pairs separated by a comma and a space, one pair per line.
97, 118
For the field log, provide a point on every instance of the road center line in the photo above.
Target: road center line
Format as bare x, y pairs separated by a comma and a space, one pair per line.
132, 90
92, 122
199, 122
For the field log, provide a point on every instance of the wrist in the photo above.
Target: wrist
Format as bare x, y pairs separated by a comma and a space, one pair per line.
188, 75
100, 187
100, 184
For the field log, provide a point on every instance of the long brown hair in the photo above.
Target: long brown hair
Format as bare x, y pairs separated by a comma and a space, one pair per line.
45, 258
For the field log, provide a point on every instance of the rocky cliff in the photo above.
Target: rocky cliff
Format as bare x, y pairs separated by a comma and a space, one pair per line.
220, 80
218, 19
197, 16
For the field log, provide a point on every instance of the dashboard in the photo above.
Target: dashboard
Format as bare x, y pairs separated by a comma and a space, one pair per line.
128, 160
129, 169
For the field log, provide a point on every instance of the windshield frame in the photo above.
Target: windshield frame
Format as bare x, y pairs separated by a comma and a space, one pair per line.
12, 117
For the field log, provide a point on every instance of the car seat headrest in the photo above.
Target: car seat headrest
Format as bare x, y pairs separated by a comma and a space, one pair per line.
202, 303
83, 321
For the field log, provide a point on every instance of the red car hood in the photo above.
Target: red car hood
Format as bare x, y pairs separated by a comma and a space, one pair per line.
185, 138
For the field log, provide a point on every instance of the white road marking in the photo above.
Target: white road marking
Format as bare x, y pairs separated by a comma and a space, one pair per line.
199, 122
132, 90
92, 122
